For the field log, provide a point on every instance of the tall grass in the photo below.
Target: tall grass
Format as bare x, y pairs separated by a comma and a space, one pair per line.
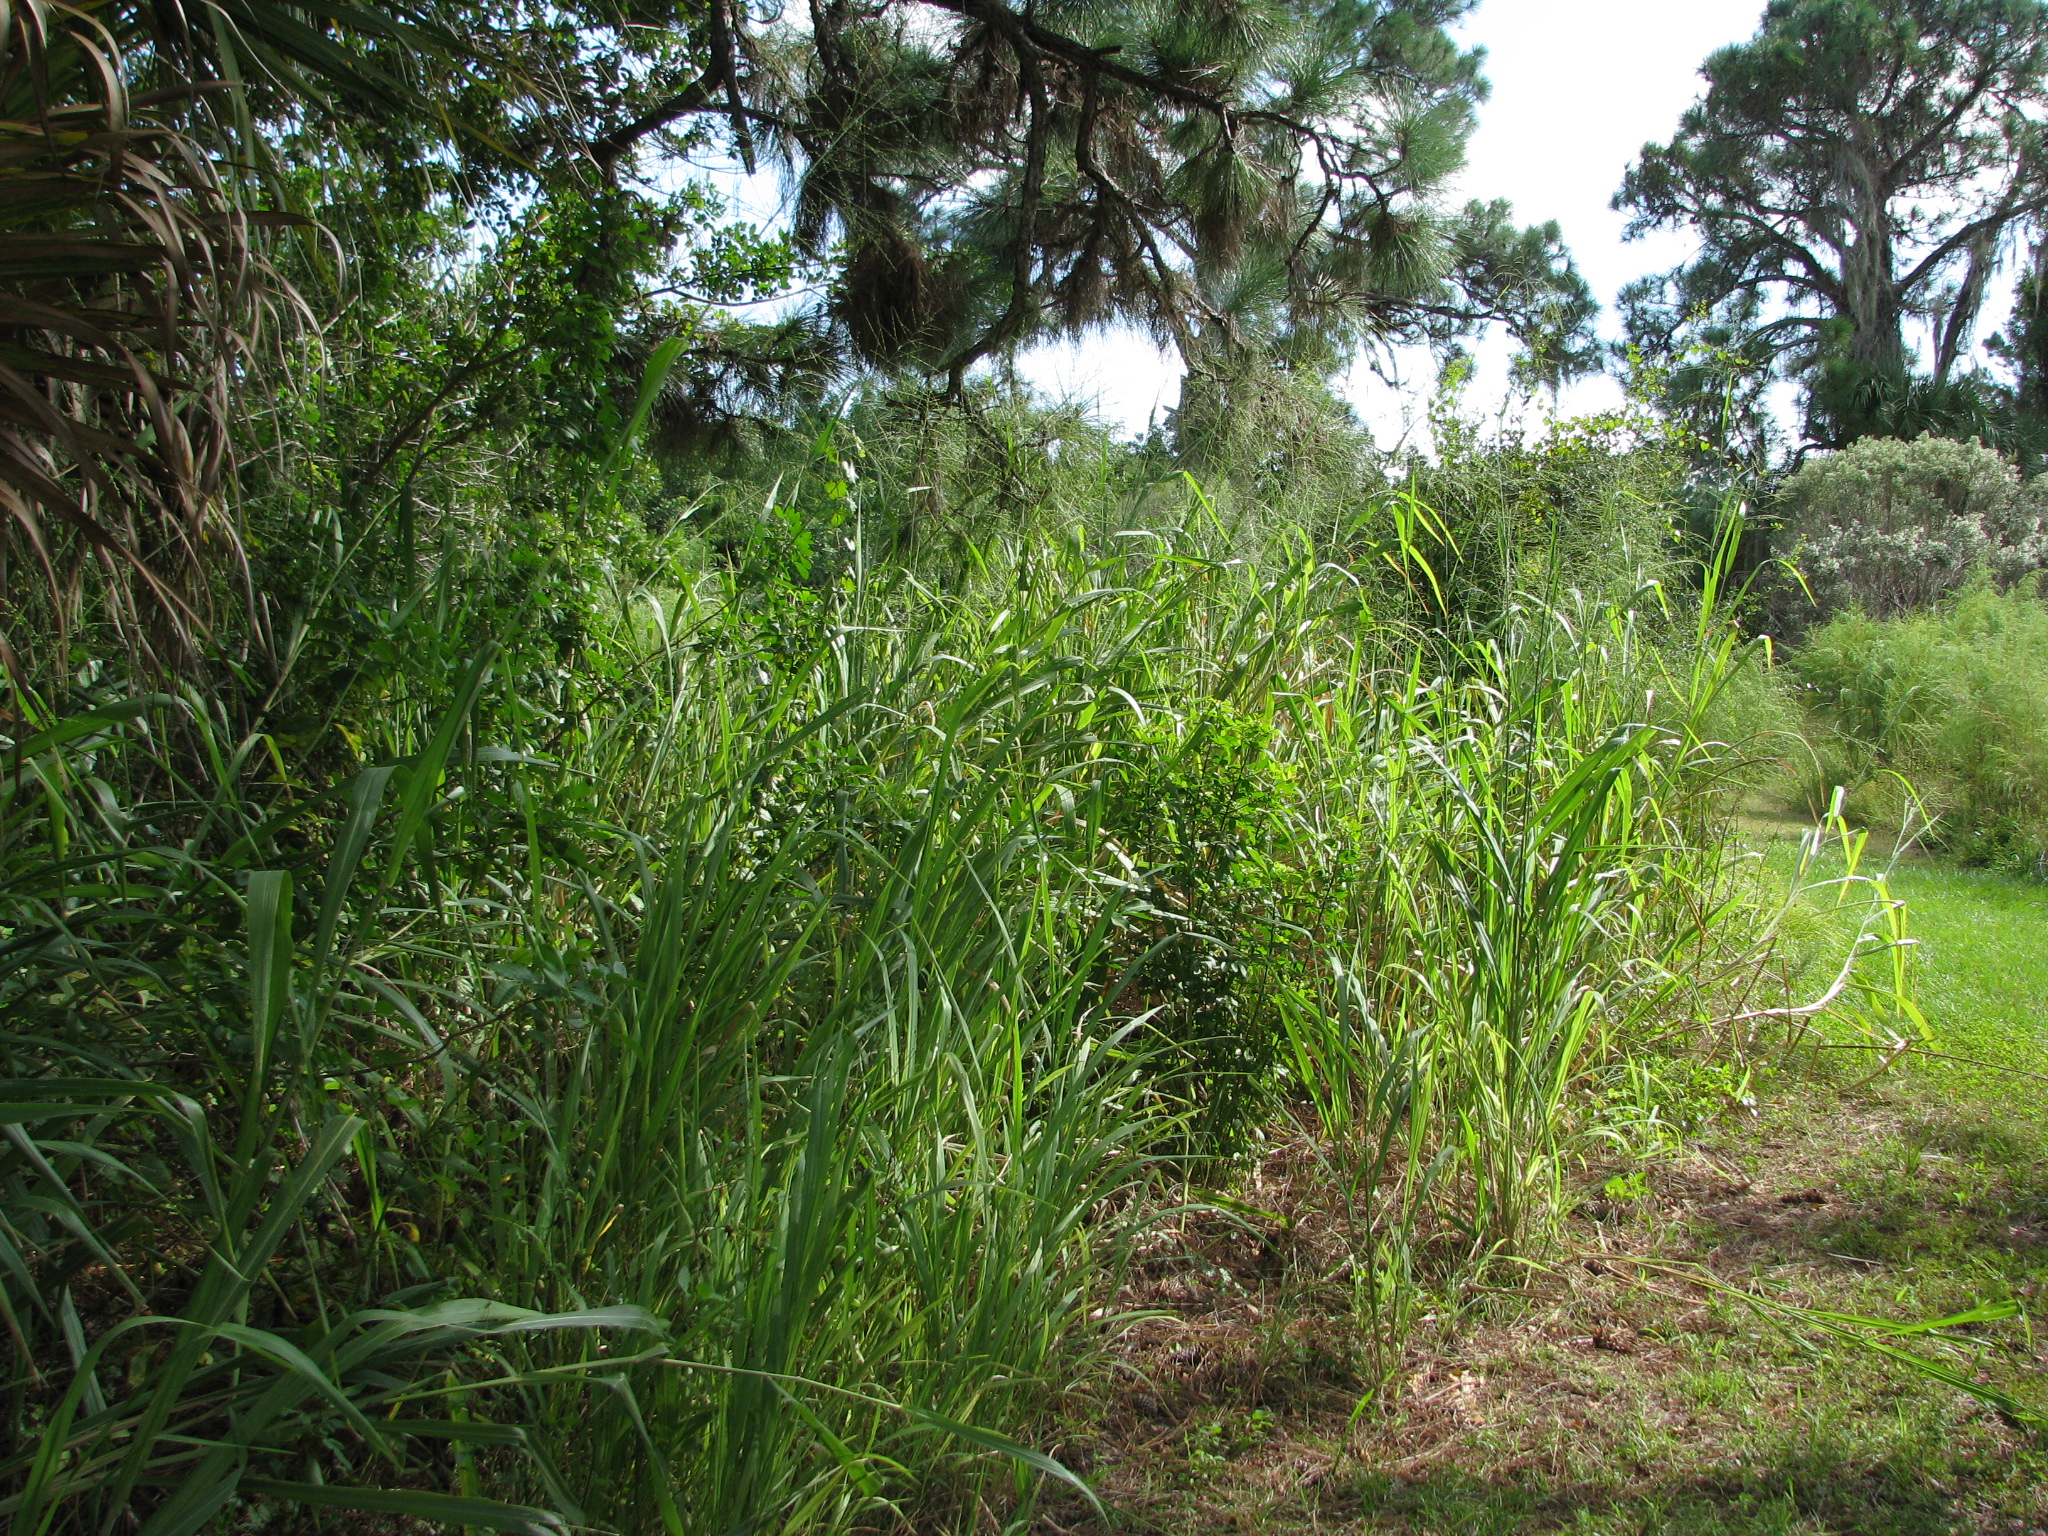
1942, 713
704, 1075
1542, 898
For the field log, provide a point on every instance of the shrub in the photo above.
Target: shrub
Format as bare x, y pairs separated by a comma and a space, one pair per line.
1893, 527
1202, 948
1582, 507
1956, 702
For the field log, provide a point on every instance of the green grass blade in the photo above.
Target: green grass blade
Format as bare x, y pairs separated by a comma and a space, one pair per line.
441, 1508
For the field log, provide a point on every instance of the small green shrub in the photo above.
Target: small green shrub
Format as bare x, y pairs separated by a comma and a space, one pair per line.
1211, 935
1949, 706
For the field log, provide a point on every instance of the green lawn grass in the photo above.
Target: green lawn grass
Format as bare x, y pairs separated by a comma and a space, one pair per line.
1982, 969
1980, 965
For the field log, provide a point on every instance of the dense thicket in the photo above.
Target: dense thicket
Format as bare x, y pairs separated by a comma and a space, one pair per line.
716, 1047
610, 916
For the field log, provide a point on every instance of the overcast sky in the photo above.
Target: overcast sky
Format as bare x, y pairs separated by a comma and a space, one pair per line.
1578, 87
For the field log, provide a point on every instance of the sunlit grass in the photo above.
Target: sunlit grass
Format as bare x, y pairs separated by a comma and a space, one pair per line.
1983, 970
1980, 963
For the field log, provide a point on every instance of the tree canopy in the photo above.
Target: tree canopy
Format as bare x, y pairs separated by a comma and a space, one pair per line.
1209, 170
1254, 183
1856, 173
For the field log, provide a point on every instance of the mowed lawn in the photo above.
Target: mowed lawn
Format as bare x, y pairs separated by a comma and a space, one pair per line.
1982, 970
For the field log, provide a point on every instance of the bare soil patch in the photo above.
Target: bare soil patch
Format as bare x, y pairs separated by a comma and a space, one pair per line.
1596, 1396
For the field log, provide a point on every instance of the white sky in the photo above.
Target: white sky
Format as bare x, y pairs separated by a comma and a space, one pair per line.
1578, 87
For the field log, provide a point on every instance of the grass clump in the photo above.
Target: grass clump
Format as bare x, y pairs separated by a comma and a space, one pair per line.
1949, 707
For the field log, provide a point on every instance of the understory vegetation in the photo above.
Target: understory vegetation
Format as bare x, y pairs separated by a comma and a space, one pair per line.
707, 1060
1936, 721
615, 916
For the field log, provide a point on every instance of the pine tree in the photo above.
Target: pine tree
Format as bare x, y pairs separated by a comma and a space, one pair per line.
1258, 182
1858, 169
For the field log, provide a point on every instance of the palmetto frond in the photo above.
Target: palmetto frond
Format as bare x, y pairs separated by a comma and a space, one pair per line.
126, 277
132, 289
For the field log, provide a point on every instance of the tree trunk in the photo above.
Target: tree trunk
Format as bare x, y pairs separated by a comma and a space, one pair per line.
1871, 300
1963, 311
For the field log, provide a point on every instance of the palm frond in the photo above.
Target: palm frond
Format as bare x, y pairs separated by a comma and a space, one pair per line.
129, 290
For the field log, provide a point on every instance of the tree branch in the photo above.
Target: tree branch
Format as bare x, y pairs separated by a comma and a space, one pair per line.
693, 100
1022, 259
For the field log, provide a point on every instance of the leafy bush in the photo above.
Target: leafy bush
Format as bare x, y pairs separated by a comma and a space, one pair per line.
1955, 701
1583, 508
1213, 933
1893, 527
